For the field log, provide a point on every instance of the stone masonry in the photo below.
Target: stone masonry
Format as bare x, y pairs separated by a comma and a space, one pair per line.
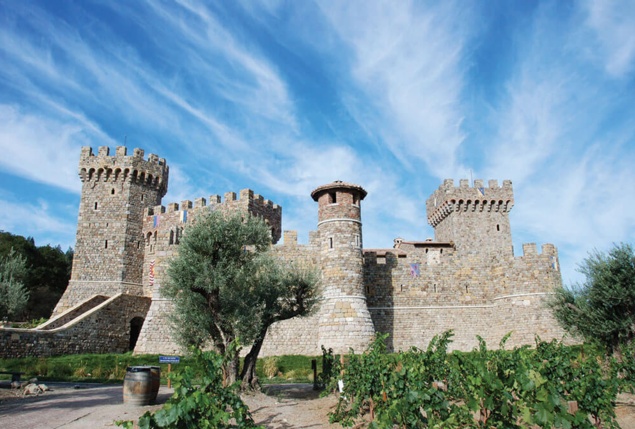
467, 279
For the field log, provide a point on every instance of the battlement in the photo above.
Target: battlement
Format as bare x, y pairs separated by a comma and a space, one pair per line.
547, 249
103, 167
466, 198
255, 202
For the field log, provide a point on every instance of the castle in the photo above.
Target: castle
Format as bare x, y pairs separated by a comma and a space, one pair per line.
466, 279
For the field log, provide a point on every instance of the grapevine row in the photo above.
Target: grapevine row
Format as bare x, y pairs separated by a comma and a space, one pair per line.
546, 386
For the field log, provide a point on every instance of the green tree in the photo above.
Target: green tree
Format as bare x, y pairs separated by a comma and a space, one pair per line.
225, 286
602, 308
277, 292
13, 295
48, 272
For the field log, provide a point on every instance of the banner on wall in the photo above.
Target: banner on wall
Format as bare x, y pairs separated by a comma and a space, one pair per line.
151, 274
414, 270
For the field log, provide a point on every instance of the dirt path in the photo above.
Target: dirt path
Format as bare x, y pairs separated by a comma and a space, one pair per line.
291, 406
98, 406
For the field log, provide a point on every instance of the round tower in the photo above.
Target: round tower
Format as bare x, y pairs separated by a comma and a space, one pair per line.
109, 246
344, 320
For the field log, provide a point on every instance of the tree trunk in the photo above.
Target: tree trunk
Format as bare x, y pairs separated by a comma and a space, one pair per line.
248, 373
230, 370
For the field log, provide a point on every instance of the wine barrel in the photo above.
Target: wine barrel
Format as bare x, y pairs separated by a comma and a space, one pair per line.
137, 385
155, 375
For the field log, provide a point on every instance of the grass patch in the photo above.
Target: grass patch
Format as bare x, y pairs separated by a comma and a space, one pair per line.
111, 368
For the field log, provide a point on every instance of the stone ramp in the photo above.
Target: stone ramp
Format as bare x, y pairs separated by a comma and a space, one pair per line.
73, 313
114, 320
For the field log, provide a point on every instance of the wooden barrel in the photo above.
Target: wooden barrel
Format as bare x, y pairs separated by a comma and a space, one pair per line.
155, 375
137, 385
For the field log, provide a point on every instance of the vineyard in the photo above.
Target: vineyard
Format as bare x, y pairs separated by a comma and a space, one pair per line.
545, 386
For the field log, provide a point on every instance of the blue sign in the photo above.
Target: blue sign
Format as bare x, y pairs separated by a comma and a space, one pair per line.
169, 359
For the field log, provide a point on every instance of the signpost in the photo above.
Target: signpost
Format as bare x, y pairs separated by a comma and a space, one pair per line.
169, 360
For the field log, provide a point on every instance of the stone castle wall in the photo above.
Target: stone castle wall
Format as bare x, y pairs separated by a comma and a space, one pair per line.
467, 279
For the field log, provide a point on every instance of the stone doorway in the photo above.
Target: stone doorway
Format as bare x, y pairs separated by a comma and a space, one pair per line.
135, 328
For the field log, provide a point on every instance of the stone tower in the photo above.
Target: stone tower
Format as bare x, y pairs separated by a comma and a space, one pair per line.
109, 247
475, 219
344, 320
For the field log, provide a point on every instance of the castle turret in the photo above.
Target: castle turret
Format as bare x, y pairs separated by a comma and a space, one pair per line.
109, 245
475, 219
344, 320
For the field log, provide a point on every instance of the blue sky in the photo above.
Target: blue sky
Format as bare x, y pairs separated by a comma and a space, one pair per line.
284, 96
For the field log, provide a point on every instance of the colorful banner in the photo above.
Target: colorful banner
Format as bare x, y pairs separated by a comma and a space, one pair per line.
414, 270
151, 274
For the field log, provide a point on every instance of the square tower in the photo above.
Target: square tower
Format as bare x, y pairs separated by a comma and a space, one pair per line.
475, 218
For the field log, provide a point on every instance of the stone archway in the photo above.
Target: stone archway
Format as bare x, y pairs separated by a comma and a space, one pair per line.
135, 328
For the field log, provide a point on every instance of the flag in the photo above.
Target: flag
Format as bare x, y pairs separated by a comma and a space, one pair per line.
414, 270
151, 274
155, 221
183, 216
481, 191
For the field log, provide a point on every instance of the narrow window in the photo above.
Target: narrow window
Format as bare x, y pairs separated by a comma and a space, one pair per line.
435, 288
355, 199
112, 191
138, 244
333, 197
155, 236
141, 197
498, 227
441, 251
95, 205
106, 245
357, 241
465, 288
171, 237
330, 242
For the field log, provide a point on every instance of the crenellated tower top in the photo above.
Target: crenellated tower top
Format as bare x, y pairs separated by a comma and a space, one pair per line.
475, 218
103, 167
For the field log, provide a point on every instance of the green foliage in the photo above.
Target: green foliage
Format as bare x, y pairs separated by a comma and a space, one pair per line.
13, 294
199, 400
206, 279
225, 285
48, 273
602, 309
112, 367
519, 388
327, 377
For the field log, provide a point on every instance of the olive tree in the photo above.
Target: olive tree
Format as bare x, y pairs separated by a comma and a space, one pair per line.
13, 294
226, 286
602, 308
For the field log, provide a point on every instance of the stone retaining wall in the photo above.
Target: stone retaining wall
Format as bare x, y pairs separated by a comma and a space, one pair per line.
103, 329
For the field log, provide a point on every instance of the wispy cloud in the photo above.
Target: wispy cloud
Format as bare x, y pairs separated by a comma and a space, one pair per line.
408, 68
38, 148
285, 96
613, 23
558, 141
